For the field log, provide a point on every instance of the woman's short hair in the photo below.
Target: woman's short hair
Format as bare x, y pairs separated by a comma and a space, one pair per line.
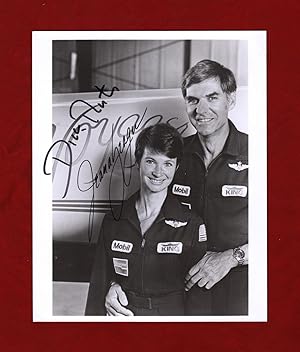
206, 69
160, 138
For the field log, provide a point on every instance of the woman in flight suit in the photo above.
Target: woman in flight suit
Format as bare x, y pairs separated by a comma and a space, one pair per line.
149, 250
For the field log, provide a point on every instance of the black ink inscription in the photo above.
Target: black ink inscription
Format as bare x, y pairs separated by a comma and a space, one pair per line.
66, 162
116, 138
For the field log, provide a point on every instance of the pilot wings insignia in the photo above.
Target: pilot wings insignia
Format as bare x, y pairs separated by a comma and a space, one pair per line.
239, 166
175, 223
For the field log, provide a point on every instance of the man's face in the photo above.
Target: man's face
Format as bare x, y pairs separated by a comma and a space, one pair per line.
207, 106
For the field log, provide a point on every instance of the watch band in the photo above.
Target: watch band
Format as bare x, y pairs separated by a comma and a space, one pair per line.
239, 255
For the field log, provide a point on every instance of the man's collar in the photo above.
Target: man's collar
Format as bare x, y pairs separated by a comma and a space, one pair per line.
232, 144
231, 147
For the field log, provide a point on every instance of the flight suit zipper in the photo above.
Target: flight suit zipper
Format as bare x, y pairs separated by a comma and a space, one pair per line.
143, 243
143, 249
204, 195
143, 262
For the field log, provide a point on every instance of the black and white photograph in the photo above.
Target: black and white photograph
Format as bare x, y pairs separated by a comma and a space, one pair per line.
149, 176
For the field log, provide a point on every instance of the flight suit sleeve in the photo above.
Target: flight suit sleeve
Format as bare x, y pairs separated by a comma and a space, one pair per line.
100, 278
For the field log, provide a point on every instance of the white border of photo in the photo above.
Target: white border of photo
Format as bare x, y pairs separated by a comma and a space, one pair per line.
42, 187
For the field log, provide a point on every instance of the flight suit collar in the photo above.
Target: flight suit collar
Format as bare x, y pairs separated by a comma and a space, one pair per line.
171, 209
231, 147
129, 212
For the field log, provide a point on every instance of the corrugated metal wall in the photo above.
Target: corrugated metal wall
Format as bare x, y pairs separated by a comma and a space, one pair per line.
139, 64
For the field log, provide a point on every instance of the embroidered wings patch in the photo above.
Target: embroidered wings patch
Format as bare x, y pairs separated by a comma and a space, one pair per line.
239, 166
175, 223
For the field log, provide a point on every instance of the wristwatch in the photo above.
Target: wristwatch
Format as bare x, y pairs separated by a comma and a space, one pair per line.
239, 255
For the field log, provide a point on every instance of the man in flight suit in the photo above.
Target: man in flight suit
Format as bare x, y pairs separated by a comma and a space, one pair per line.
213, 181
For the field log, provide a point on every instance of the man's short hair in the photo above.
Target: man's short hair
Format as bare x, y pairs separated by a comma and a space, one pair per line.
160, 138
206, 69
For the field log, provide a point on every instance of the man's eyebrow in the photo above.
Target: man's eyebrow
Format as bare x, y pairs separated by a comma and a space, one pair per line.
190, 97
207, 95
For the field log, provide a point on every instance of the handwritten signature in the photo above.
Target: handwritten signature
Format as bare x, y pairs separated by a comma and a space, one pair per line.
117, 154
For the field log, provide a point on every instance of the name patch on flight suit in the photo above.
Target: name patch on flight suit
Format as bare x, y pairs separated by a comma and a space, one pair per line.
121, 266
169, 247
181, 190
121, 246
234, 191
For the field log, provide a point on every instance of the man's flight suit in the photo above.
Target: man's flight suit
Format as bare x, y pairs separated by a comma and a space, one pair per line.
219, 194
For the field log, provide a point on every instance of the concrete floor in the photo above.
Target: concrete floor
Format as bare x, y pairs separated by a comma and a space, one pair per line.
69, 298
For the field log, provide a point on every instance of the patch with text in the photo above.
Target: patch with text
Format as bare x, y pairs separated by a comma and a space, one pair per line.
121, 246
181, 190
234, 191
170, 247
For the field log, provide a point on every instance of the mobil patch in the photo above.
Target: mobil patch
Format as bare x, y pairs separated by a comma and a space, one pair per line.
234, 191
181, 190
121, 246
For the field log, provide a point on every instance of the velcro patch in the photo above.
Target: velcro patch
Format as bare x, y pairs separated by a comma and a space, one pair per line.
181, 190
202, 233
169, 247
175, 223
121, 266
234, 191
121, 246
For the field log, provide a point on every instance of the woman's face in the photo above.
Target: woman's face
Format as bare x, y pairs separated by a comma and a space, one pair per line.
156, 171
